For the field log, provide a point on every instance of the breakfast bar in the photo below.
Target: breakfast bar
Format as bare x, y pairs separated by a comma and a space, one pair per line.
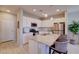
40, 44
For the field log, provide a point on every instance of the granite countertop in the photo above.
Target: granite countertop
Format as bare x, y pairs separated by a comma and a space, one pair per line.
47, 39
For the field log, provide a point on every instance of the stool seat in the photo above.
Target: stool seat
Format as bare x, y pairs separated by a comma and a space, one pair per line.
60, 45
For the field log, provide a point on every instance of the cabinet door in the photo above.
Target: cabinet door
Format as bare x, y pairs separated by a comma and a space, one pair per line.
33, 47
37, 47
56, 28
62, 27
43, 49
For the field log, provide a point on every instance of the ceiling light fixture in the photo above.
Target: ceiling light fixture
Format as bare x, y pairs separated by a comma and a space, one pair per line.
58, 10
34, 10
51, 18
8, 10
46, 15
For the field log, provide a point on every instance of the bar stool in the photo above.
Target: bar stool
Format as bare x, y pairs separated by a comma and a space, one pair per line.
60, 45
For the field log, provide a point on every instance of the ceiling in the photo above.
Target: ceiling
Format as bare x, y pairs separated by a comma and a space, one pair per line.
13, 9
40, 9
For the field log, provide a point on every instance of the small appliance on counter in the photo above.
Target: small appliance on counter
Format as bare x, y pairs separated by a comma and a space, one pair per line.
34, 31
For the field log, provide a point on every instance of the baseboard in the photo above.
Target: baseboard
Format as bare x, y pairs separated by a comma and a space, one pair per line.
6, 41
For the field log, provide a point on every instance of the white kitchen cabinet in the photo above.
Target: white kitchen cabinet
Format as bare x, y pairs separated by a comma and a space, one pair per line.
29, 20
27, 26
43, 49
37, 47
33, 47
49, 23
27, 37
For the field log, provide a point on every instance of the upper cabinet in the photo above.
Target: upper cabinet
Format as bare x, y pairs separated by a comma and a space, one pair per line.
49, 23
28, 21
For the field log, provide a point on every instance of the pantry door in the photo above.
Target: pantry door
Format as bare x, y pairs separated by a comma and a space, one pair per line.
7, 27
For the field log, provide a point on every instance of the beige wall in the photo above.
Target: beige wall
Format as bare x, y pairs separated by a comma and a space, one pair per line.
73, 16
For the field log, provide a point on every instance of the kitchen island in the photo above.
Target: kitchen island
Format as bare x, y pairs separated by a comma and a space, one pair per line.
40, 43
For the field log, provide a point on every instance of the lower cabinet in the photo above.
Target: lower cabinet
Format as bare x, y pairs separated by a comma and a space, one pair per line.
36, 47
43, 49
33, 47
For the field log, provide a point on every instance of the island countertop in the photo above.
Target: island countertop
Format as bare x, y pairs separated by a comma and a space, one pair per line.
39, 44
47, 39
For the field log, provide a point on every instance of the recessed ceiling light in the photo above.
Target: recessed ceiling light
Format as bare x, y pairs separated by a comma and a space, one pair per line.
34, 10
58, 10
8, 10
46, 15
51, 18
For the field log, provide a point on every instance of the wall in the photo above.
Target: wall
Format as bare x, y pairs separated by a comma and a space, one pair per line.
73, 16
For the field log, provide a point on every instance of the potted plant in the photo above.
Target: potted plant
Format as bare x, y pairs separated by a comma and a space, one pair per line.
74, 28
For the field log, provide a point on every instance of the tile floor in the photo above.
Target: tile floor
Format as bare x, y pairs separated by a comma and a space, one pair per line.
73, 49
13, 48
